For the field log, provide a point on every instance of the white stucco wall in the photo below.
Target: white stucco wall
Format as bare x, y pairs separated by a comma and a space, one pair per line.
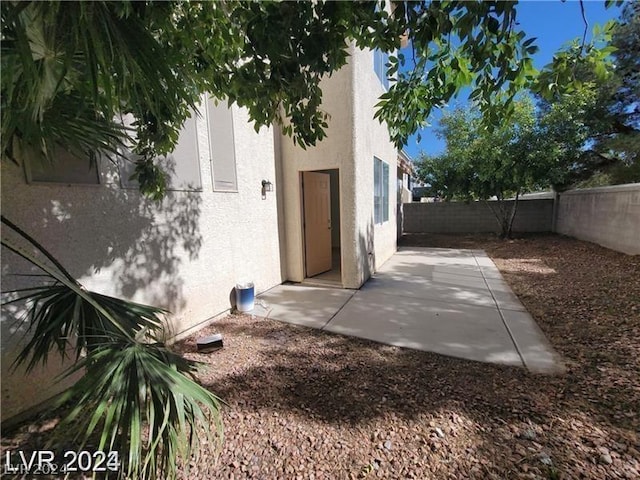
185, 254
372, 140
353, 139
335, 151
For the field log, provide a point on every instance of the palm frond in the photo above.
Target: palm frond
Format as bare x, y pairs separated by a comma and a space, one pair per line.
141, 400
136, 397
58, 319
66, 307
70, 68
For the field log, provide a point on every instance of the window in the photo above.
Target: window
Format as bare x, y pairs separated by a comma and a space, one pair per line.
66, 168
182, 166
380, 191
380, 60
222, 147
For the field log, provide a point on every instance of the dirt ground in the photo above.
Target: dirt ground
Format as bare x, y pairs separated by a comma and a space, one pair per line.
308, 404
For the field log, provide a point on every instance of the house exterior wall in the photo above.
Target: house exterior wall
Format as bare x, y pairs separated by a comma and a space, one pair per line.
353, 139
185, 254
334, 152
378, 241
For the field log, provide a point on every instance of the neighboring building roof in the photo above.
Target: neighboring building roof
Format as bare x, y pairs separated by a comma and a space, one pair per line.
535, 196
404, 162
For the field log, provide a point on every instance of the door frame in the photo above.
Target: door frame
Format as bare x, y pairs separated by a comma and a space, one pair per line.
303, 244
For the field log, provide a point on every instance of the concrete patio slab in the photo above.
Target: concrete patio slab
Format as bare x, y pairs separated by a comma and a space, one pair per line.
465, 331
491, 272
307, 306
503, 296
428, 289
408, 264
483, 260
508, 301
448, 301
429, 257
534, 348
435, 275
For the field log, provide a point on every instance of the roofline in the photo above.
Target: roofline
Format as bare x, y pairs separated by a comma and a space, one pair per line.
405, 162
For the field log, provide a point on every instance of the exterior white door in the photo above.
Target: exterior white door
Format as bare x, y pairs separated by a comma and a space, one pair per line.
317, 222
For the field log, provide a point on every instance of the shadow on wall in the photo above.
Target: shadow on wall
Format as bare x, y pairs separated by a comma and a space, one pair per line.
111, 239
366, 253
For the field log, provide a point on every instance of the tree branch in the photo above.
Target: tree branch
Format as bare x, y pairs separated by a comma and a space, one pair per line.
586, 25
495, 214
604, 159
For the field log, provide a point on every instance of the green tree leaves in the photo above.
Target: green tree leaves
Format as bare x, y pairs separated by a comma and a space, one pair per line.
70, 69
86, 63
457, 45
607, 71
532, 150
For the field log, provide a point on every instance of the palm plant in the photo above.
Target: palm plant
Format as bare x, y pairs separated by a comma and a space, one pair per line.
136, 397
70, 70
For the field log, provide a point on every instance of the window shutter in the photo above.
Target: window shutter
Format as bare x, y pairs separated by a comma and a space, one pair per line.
127, 167
376, 191
66, 168
222, 147
182, 166
380, 191
385, 192
380, 60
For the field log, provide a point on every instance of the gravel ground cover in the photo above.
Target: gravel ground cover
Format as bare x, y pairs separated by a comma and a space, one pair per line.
308, 404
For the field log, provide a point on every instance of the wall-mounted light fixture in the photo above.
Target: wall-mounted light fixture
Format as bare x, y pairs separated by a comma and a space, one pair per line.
267, 186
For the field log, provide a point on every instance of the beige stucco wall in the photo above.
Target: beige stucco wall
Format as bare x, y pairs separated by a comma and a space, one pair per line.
372, 139
353, 138
609, 216
335, 151
185, 254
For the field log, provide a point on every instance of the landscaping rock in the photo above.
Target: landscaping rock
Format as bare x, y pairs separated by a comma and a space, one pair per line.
545, 459
307, 403
606, 459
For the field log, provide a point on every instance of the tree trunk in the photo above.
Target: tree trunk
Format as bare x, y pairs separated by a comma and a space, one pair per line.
504, 217
500, 216
512, 217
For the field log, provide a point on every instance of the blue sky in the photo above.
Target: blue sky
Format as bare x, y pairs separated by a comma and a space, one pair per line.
554, 23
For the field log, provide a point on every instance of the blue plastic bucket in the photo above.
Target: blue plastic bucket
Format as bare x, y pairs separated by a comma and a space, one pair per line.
245, 296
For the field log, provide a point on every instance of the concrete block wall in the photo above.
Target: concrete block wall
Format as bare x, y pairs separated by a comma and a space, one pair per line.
475, 217
608, 216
